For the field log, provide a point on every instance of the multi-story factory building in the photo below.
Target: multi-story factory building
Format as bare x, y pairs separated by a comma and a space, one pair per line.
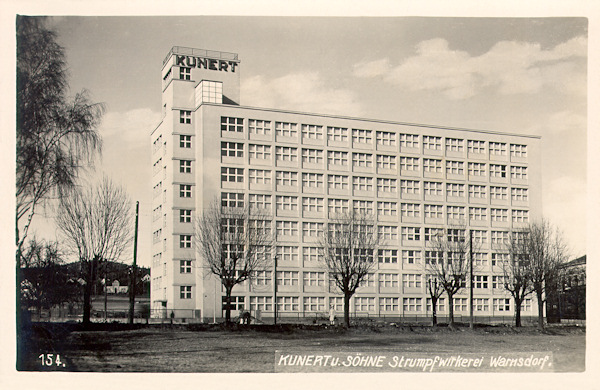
304, 167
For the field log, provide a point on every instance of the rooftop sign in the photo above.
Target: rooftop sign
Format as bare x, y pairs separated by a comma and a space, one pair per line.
205, 63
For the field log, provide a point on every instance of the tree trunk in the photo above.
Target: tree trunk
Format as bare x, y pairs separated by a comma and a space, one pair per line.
228, 304
451, 310
434, 310
87, 294
540, 310
347, 309
517, 313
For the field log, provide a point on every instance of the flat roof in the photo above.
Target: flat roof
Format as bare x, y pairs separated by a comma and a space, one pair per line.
190, 51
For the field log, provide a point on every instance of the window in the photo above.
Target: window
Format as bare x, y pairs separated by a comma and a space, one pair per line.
185, 216
232, 124
499, 238
411, 280
479, 236
285, 129
454, 145
457, 190
521, 216
386, 138
497, 170
387, 185
476, 146
185, 241
499, 259
519, 194
497, 282
411, 257
286, 203
232, 149
314, 304
284, 153
287, 278
517, 172
185, 73
338, 206
261, 303
456, 235
156, 236
185, 116
312, 132
455, 167
477, 213
362, 304
498, 148
433, 211
368, 280
518, 150
287, 228
363, 207
476, 169
434, 257
386, 162
481, 304
433, 233
337, 182
498, 193
441, 305
432, 188
409, 140
409, 186
432, 165
410, 210
364, 160
387, 256
310, 254
460, 304
259, 201
360, 183
337, 158
388, 304
287, 304
261, 152
477, 192
314, 205
185, 191
362, 136
232, 226
480, 281
259, 127
499, 215
432, 143
312, 156
339, 134
388, 280
501, 304
314, 278
312, 180
185, 292
185, 266
388, 233
526, 304
157, 144
312, 229
411, 304
409, 163
262, 227
233, 175
287, 253
285, 178
411, 233
185, 141
156, 167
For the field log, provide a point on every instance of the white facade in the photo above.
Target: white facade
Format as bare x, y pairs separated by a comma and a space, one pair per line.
303, 167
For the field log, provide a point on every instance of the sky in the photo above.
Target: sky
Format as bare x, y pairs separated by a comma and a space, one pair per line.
517, 75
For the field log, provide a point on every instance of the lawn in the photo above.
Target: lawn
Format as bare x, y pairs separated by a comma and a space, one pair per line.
214, 349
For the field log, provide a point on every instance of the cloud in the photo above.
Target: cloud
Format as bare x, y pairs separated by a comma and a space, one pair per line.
132, 127
301, 92
508, 68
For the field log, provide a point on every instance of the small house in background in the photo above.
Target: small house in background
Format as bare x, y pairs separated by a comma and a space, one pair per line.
116, 288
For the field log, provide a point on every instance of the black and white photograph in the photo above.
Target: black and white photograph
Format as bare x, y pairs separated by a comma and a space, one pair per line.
301, 193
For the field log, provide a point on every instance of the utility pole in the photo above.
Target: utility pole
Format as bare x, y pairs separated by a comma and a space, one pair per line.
275, 291
132, 279
471, 323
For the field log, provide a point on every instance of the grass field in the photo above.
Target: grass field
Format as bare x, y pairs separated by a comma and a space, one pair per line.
214, 349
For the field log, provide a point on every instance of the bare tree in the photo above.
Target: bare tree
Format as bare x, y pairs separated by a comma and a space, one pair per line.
435, 290
546, 250
56, 136
233, 243
97, 226
348, 246
516, 270
450, 265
